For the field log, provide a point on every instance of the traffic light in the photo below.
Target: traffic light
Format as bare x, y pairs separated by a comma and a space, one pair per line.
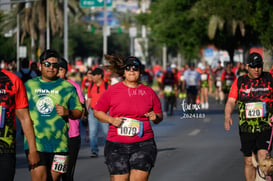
119, 30
93, 29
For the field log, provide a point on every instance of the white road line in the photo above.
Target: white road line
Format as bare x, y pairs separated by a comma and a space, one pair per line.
194, 132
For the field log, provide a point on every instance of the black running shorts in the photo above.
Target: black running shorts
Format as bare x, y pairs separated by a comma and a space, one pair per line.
46, 159
252, 142
120, 158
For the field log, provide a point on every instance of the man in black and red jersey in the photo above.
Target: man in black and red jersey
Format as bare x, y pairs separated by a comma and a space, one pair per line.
13, 102
254, 93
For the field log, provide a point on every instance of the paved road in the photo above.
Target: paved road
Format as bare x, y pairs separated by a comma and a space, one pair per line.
188, 149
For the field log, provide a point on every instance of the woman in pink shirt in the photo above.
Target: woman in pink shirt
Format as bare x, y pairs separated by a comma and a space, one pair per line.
130, 150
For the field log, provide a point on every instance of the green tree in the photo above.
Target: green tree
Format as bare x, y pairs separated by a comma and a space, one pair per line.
33, 19
83, 43
7, 48
261, 19
172, 24
228, 26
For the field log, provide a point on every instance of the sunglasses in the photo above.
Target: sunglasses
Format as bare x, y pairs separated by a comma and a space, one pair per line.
48, 64
133, 67
61, 68
254, 66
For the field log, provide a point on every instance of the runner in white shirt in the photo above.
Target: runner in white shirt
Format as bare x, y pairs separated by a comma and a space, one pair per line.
192, 83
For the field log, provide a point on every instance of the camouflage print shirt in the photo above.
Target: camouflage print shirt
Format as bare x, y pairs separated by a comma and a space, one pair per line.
51, 130
255, 102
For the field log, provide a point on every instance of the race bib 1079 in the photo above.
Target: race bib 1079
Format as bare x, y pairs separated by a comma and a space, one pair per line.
130, 127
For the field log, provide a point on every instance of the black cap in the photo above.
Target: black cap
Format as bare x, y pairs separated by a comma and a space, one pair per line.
97, 71
255, 59
132, 61
191, 64
48, 54
63, 64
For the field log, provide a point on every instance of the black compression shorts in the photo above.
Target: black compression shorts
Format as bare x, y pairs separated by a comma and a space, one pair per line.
122, 157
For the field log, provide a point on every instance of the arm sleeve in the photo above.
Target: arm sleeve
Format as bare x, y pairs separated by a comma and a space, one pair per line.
20, 95
103, 103
233, 93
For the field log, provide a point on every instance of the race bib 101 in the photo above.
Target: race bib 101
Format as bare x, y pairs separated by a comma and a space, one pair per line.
130, 127
59, 163
255, 110
168, 89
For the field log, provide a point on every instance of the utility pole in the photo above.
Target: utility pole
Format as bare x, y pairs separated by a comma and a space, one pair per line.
47, 26
105, 32
132, 35
65, 31
164, 56
144, 34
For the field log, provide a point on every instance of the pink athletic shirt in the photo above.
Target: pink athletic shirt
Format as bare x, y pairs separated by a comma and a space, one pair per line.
123, 101
74, 125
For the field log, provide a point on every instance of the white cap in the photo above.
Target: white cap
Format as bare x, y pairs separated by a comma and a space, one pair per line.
201, 66
173, 66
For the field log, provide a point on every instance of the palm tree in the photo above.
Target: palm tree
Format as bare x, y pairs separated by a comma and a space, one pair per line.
227, 19
217, 22
33, 16
228, 28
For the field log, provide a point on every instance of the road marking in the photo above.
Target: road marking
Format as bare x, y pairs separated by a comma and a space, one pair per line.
194, 132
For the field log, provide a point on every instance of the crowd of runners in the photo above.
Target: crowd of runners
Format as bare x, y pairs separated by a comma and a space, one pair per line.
194, 82
103, 96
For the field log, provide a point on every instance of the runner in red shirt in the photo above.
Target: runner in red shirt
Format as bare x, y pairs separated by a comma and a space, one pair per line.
13, 102
95, 90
